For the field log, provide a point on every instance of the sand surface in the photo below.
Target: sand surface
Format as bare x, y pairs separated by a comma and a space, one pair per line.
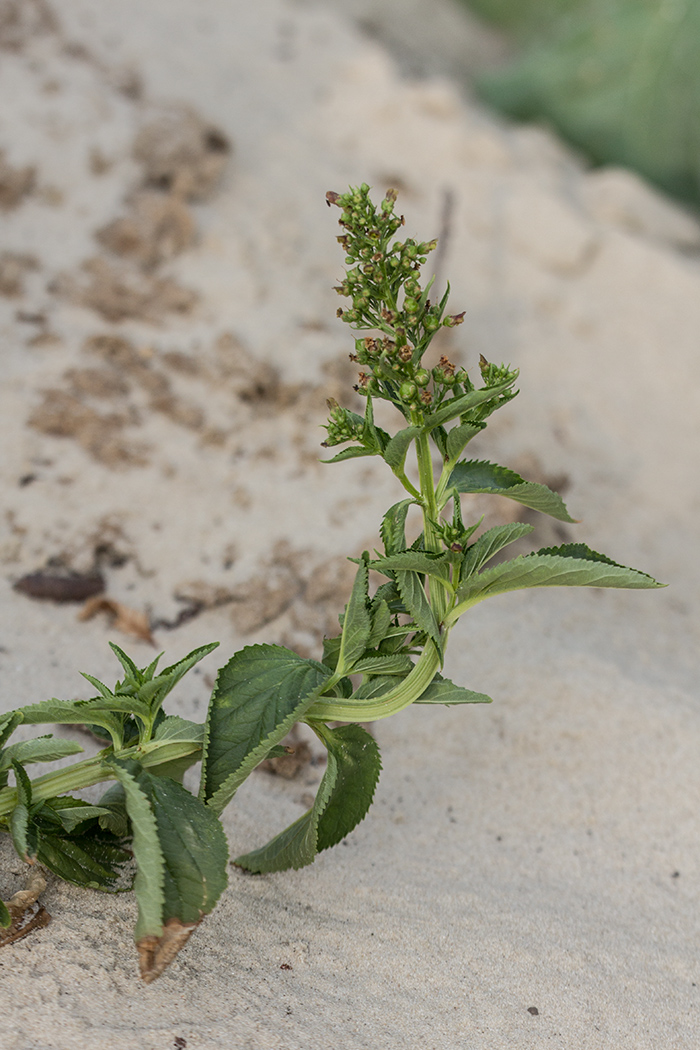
160, 408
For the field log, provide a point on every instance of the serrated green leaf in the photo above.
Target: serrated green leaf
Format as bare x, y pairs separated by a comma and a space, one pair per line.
397, 447
331, 649
73, 812
258, 696
393, 527
128, 664
381, 623
296, 846
170, 758
194, 848
91, 860
357, 624
5, 917
384, 665
70, 712
148, 672
122, 705
154, 692
460, 406
104, 691
481, 476
150, 862
354, 452
373, 435
490, 543
358, 767
344, 796
389, 593
439, 437
176, 745
24, 832
436, 565
572, 565
460, 436
114, 818
416, 601
41, 749
395, 639
173, 729
24, 784
8, 723
374, 687
443, 691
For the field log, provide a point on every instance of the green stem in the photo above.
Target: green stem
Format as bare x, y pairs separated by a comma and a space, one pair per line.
72, 778
439, 599
94, 770
459, 610
403, 695
410, 488
441, 489
427, 488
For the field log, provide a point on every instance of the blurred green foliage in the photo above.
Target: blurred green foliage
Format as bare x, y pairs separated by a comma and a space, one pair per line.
620, 79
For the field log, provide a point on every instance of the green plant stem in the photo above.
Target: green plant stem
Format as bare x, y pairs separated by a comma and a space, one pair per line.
72, 778
94, 770
408, 691
441, 493
410, 488
459, 610
427, 489
439, 598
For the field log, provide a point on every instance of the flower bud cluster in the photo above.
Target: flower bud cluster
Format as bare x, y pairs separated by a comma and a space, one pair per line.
453, 536
342, 425
494, 375
382, 280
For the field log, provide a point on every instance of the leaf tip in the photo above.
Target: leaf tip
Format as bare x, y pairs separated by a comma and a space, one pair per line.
157, 953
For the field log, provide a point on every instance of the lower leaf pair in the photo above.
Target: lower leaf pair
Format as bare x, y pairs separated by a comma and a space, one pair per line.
259, 695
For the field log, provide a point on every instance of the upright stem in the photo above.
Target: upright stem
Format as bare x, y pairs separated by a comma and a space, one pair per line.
427, 488
438, 595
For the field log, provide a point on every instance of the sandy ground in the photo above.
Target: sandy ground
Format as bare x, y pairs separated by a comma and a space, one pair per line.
530, 873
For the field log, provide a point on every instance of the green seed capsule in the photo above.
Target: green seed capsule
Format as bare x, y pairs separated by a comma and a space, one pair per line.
407, 391
422, 377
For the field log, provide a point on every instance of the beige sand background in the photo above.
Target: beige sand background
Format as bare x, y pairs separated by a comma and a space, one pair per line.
160, 402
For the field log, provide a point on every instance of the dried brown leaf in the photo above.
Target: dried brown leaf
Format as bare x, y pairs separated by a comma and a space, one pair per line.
27, 914
124, 619
156, 953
